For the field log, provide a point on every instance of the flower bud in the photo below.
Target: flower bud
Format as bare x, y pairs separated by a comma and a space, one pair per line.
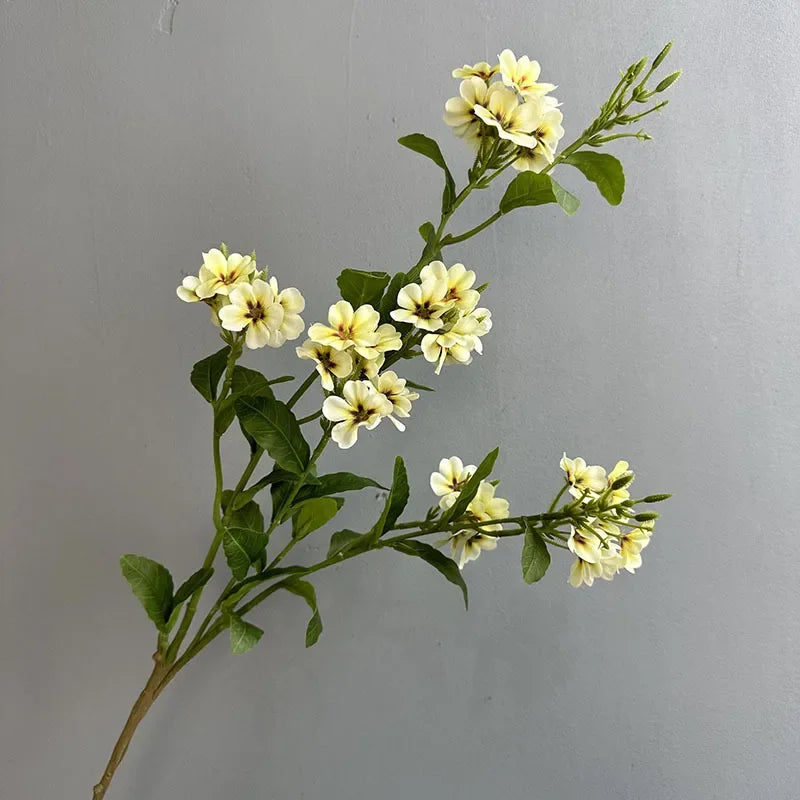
646, 516
668, 81
656, 498
622, 481
659, 59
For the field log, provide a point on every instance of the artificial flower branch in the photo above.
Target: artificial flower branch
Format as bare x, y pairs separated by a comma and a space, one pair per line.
510, 119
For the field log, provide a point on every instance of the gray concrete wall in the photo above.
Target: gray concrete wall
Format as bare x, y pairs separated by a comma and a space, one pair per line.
664, 331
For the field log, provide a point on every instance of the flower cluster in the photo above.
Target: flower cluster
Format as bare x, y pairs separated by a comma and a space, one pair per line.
516, 111
241, 299
351, 350
443, 305
447, 483
609, 536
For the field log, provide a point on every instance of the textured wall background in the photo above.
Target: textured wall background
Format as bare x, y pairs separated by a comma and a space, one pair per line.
664, 331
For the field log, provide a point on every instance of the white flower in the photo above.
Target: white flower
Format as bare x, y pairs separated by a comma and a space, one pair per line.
365, 369
423, 304
388, 338
586, 546
361, 404
459, 281
459, 112
253, 306
480, 70
349, 328
292, 303
484, 507
471, 544
583, 572
547, 133
583, 478
219, 275
455, 345
630, 549
606, 567
330, 363
513, 120
187, 290
617, 496
522, 74
450, 478
394, 389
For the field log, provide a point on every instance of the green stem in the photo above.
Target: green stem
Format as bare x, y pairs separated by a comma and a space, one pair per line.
301, 390
462, 237
310, 417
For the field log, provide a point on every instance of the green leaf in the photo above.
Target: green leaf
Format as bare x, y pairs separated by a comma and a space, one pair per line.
313, 514
186, 590
395, 502
439, 561
244, 635
471, 486
274, 427
345, 542
247, 516
206, 373
225, 415
603, 170
335, 482
428, 147
244, 540
276, 476
421, 387
306, 590
389, 301
427, 232
152, 585
250, 382
359, 287
568, 202
194, 582
536, 189
535, 556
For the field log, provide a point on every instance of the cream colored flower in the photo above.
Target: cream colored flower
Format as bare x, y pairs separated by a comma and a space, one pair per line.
522, 74
583, 573
292, 303
219, 275
394, 389
513, 120
349, 328
459, 112
450, 478
330, 363
455, 345
423, 304
630, 549
459, 281
583, 478
470, 544
479, 70
547, 133
360, 405
365, 369
485, 506
187, 290
605, 567
621, 469
253, 306
585, 545
388, 338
